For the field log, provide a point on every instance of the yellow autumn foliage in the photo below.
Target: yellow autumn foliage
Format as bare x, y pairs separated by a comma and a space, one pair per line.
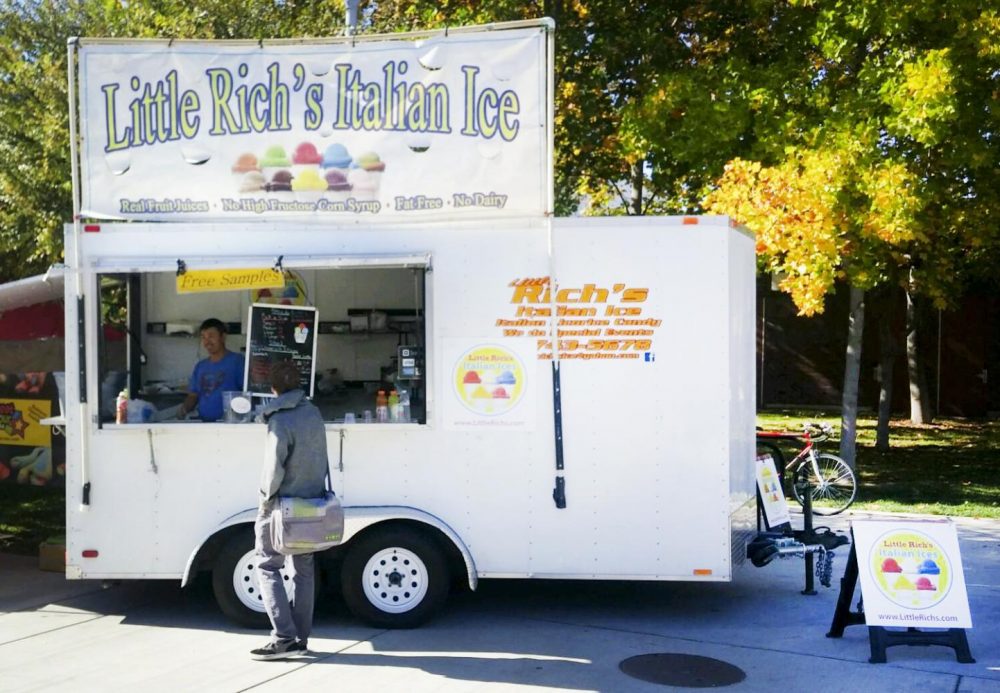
793, 211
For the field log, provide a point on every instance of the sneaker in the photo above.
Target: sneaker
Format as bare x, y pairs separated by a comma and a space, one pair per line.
278, 650
302, 646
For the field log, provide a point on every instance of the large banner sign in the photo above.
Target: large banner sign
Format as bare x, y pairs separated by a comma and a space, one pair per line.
381, 130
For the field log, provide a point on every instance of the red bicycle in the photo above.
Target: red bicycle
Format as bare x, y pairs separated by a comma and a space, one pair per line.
833, 482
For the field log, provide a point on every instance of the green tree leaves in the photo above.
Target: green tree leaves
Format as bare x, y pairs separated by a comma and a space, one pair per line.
900, 111
35, 184
861, 135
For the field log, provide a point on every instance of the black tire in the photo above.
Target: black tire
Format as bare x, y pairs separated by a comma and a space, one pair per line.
836, 488
415, 588
236, 562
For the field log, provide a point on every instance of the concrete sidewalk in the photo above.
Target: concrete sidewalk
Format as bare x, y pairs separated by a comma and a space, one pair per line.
509, 635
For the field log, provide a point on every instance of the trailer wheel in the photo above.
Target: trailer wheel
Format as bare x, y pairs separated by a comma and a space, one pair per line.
234, 582
394, 578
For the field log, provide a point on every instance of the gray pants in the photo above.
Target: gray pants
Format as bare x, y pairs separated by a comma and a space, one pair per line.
288, 621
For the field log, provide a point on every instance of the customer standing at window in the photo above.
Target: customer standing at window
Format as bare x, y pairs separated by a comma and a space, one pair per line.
295, 464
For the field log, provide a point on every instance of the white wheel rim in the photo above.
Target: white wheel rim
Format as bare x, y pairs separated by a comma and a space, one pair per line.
247, 587
395, 580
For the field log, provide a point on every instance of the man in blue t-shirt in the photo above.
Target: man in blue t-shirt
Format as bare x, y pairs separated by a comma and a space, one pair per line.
221, 371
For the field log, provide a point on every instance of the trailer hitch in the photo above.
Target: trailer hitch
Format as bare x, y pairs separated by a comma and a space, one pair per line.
767, 546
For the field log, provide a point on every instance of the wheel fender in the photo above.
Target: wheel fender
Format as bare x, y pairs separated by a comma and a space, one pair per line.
356, 519
244, 517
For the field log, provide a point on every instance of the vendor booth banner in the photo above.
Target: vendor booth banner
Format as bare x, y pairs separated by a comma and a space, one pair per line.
20, 422
30, 451
382, 130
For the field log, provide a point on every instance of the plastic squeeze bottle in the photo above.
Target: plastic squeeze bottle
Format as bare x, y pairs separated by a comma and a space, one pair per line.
404, 406
393, 406
121, 407
381, 407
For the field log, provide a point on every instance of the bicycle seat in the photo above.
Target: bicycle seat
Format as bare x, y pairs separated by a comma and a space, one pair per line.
778, 435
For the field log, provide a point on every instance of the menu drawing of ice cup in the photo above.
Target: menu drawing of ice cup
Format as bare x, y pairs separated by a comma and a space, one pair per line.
301, 333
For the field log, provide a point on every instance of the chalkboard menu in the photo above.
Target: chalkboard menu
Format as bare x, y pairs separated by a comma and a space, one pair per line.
280, 333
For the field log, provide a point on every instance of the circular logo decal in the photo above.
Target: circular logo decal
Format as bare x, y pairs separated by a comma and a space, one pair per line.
910, 569
489, 379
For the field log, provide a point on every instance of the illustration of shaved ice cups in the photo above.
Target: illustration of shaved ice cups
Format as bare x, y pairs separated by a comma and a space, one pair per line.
280, 183
366, 176
471, 382
925, 584
507, 379
336, 157
308, 186
929, 567
481, 397
902, 583
890, 565
304, 157
252, 182
245, 163
275, 159
500, 393
337, 187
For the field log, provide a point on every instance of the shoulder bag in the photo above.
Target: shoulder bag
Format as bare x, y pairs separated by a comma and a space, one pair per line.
307, 525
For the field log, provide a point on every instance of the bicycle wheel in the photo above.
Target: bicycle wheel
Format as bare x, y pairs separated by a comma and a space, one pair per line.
835, 489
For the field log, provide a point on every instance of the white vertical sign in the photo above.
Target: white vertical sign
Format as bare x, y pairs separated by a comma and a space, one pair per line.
771, 493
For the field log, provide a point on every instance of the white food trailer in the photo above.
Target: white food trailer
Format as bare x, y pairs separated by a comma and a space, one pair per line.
581, 389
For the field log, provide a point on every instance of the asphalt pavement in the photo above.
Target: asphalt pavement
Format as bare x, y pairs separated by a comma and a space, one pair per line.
509, 635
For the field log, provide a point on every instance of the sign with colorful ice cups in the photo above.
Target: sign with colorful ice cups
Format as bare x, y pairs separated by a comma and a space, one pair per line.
490, 384
771, 493
386, 128
911, 573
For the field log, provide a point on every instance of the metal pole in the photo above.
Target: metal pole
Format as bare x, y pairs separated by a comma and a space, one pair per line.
559, 491
808, 537
78, 303
351, 22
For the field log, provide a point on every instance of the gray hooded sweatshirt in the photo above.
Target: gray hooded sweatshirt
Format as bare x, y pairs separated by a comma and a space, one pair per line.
295, 458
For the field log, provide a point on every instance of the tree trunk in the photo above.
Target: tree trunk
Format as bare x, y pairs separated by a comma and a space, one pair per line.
920, 401
887, 357
852, 374
635, 203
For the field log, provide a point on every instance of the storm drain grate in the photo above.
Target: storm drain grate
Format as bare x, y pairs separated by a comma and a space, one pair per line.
688, 671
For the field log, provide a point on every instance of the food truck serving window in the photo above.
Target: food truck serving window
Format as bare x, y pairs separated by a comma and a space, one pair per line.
368, 334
